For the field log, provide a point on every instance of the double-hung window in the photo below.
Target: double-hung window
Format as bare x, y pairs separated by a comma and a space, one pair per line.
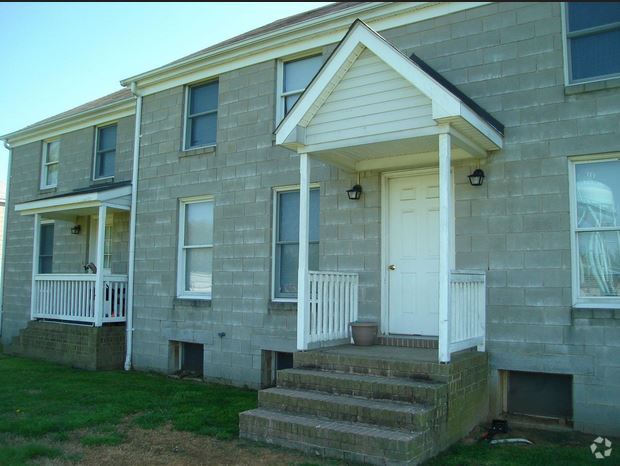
592, 40
105, 152
294, 77
286, 240
201, 115
195, 248
46, 247
595, 220
49, 164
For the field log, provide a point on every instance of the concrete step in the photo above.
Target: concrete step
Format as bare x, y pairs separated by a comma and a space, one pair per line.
387, 361
354, 442
427, 392
394, 414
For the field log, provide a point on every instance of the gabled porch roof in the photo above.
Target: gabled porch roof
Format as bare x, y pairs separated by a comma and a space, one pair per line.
80, 202
369, 102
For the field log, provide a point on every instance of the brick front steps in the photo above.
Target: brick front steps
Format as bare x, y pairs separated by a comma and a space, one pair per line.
377, 405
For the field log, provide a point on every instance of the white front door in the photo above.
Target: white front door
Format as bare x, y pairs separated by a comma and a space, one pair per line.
413, 255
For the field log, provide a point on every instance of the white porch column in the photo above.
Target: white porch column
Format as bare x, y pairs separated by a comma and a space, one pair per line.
445, 245
35, 264
99, 291
303, 293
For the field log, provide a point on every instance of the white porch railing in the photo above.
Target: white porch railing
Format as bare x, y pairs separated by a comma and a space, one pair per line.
467, 311
72, 297
332, 306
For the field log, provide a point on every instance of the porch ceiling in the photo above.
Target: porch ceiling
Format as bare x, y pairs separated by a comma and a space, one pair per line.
370, 104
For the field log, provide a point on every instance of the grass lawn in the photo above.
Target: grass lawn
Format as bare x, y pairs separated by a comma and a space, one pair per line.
51, 414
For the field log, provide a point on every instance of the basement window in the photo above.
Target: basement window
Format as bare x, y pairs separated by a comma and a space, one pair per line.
187, 359
542, 395
272, 362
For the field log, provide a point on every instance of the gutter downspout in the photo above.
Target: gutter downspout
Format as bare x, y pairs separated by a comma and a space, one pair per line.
4, 229
132, 228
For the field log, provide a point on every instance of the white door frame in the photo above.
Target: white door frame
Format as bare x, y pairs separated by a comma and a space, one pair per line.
385, 178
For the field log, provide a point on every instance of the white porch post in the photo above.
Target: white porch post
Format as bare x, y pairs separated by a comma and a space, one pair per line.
303, 293
99, 291
35, 264
445, 245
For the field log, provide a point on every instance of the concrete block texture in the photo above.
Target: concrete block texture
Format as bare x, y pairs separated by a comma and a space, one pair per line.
508, 58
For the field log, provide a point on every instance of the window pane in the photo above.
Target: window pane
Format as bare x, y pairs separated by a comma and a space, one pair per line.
198, 270
288, 267
288, 221
299, 73
584, 15
107, 138
105, 164
203, 98
198, 223
45, 264
599, 263
289, 101
52, 175
203, 130
595, 55
53, 149
46, 241
598, 194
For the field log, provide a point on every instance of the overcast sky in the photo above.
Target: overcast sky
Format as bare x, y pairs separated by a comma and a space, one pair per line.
57, 56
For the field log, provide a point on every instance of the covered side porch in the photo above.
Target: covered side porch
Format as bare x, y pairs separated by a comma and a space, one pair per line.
79, 255
372, 109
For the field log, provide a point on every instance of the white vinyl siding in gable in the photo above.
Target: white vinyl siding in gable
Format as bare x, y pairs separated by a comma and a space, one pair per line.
370, 99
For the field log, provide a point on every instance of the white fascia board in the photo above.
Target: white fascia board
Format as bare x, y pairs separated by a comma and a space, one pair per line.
486, 129
73, 201
92, 117
294, 39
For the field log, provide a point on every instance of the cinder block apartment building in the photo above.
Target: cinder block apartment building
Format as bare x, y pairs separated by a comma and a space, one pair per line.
449, 171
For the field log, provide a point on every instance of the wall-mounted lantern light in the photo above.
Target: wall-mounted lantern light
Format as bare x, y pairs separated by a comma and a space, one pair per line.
75, 229
476, 178
355, 192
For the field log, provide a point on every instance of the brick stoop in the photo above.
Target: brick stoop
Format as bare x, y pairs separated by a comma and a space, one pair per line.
377, 405
408, 342
81, 346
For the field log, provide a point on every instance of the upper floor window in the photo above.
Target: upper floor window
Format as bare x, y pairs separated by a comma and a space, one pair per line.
294, 77
595, 212
105, 153
593, 40
49, 165
286, 240
201, 115
195, 248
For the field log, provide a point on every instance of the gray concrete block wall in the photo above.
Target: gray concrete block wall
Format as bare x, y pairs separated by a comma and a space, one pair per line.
70, 251
241, 174
508, 58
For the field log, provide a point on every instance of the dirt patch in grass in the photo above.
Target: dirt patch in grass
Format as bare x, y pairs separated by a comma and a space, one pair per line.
166, 446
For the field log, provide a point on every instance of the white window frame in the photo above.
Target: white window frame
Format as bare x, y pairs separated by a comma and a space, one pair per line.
182, 293
274, 231
186, 114
567, 54
280, 95
587, 302
45, 164
96, 152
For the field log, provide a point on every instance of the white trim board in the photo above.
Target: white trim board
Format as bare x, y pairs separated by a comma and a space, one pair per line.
120, 196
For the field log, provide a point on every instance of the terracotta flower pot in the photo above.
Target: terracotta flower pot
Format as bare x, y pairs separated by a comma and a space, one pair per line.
364, 333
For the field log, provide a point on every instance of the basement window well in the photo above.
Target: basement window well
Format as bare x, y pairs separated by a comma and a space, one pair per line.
541, 395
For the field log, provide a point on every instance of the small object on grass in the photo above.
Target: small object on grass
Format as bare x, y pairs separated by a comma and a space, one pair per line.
498, 426
511, 441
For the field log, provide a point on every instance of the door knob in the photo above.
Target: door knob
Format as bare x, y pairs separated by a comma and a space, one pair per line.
392, 267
